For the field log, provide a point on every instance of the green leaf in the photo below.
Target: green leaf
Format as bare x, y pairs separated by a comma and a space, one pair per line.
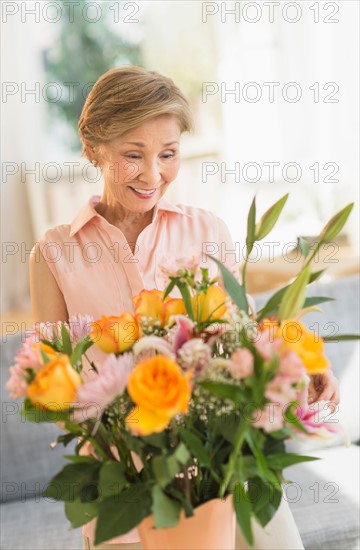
250, 235
294, 297
270, 307
79, 513
161, 471
120, 513
156, 440
112, 479
73, 480
166, 510
341, 337
56, 342
284, 460
265, 499
243, 512
224, 390
80, 349
34, 414
182, 454
66, 342
264, 471
232, 287
80, 458
269, 219
194, 443
314, 300
185, 293
335, 224
291, 418
44, 357
169, 288
304, 246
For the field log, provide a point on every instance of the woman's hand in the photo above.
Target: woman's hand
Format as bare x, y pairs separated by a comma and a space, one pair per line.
324, 387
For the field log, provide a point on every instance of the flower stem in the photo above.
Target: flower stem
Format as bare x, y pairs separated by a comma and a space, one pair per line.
239, 439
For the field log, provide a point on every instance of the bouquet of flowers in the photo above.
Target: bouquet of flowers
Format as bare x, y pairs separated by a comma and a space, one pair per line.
193, 402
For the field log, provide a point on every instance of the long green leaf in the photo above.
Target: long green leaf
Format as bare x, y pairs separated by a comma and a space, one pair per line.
195, 445
112, 479
166, 510
169, 288
341, 337
222, 389
294, 297
269, 219
243, 512
187, 299
79, 513
251, 222
66, 342
270, 308
232, 287
335, 224
304, 246
284, 460
120, 513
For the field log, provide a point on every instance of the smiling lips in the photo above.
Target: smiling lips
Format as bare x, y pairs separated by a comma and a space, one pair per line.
143, 193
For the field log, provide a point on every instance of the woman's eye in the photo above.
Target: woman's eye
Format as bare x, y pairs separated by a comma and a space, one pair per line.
169, 156
132, 157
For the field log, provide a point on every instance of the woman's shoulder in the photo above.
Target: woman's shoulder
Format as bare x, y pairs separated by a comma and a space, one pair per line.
58, 233
196, 211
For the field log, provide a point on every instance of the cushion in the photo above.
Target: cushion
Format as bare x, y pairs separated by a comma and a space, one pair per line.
324, 499
37, 524
27, 460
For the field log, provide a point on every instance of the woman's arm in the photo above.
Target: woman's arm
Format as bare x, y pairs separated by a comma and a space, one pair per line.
47, 300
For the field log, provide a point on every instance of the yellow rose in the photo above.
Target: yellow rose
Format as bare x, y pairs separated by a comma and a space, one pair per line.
210, 305
160, 391
307, 344
54, 386
115, 334
149, 303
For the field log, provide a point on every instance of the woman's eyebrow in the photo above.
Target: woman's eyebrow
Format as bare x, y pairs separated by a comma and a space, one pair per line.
140, 144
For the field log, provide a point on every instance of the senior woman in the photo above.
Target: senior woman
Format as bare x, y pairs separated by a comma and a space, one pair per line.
130, 127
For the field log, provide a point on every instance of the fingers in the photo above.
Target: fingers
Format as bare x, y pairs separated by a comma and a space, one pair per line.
328, 389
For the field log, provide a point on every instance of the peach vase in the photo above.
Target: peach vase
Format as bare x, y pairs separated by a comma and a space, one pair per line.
212, 527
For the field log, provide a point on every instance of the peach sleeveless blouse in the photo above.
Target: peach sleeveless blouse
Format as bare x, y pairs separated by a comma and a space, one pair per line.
98, 274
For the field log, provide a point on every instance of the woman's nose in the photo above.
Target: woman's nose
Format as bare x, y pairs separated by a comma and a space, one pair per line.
150, 172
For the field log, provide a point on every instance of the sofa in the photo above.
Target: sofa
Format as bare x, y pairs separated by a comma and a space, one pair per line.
323, 495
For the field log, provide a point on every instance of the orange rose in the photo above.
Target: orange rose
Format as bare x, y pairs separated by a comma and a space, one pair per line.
210, 305
149, 303
308, 345
54, 386
160, 391
115, 334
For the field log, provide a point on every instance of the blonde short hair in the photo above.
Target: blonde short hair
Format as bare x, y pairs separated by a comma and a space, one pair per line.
125, 97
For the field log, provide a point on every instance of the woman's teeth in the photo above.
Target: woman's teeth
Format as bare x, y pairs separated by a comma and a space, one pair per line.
143, 191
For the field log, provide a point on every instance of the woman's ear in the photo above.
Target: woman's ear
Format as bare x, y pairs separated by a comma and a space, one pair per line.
90, 152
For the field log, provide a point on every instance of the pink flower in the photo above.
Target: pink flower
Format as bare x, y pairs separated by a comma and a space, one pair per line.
291, 366
270, 418
184, 332
314, 417
150, 344
94, 396
79, 327
280, 390
17, 385
266, 344
194, 355
241, 364
28, 357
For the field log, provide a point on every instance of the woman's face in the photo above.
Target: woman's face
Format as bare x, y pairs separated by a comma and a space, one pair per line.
139, 166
